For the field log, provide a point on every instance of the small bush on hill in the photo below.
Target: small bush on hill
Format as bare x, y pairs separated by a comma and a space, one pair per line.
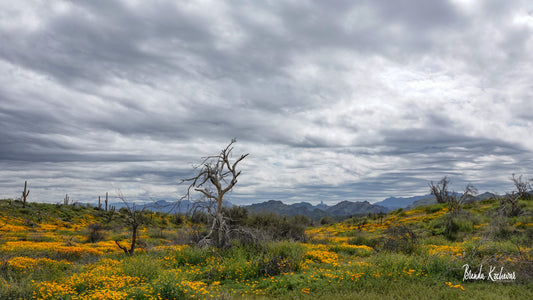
400, 239
326, 220
95, 233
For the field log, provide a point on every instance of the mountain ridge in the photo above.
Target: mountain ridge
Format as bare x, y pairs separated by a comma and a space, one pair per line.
341, 209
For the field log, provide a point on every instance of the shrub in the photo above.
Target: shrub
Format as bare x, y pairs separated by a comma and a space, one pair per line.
361, 238
282, 257
400, 239
510, 205
464, 225
280, 227
276, 266
178, 219
167, 286
191, 256
95, 233
451, 228
236, 215
142, 266
200, 217
326, 220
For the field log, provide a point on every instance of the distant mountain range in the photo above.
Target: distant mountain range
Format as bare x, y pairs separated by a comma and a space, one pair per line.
340, 210
164, 206
302, 208
399, 202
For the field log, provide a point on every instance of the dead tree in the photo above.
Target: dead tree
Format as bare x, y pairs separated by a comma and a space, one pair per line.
509, 204
440, 190
134, 219
444, 195
454, 201
25, 194
216, 175
522, 187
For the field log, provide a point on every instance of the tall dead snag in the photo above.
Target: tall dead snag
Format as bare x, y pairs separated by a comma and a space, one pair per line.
440, 190
522, 187
216, 176
134, 219
510, 204
25, 194
454, 201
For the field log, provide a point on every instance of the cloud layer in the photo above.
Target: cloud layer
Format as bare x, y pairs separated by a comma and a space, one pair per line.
333, 101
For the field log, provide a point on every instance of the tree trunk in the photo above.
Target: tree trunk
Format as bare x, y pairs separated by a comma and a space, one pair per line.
133, 240
220, 230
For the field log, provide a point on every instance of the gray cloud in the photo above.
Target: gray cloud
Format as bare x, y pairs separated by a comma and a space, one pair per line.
334, 101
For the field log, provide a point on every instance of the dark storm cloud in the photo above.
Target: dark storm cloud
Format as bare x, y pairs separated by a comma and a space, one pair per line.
341, 100
435, 141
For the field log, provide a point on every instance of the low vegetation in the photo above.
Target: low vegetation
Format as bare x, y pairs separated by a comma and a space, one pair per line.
53, 251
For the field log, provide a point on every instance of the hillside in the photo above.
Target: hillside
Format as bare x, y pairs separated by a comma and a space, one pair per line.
428, 200
50, 251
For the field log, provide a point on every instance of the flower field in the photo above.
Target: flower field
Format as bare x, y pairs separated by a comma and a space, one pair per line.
52, 252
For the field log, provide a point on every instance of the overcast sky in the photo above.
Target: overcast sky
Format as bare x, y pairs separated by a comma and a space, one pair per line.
334, 100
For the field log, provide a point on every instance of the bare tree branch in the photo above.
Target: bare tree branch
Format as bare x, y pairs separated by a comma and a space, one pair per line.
522, 186
440, 190
134, 219
217, 175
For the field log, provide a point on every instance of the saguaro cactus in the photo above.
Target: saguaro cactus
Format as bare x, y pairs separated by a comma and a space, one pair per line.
25, 194
105, 201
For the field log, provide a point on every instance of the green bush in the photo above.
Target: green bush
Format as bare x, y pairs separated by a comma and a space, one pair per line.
362, 238
281, 257
142, 265
200, 217
236, 215
326, 220
178, 219
191, 256
237, 263
279, 227
464, 225
451, 228
95, 233
400, 239
166, 286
